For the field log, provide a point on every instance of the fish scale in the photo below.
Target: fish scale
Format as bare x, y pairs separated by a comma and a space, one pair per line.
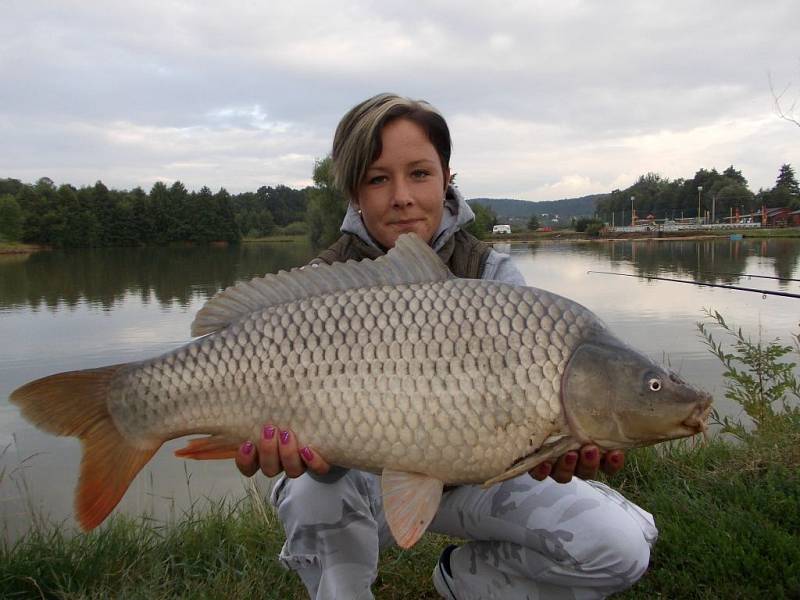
262, 369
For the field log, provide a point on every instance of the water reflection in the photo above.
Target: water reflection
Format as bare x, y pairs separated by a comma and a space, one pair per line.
712, 261
103, 277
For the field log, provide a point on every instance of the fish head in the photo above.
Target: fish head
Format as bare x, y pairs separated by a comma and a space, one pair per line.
615, 397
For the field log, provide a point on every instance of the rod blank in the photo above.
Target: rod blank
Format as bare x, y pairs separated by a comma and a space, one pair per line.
700, 283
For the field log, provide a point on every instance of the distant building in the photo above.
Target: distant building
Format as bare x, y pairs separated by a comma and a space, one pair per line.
776, 217
769, 217
501, 229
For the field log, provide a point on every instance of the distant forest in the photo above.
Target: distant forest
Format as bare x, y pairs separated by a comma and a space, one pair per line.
94, 216
508, 208
724, 193
663, 198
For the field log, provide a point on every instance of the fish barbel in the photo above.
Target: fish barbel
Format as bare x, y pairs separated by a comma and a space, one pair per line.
389, 365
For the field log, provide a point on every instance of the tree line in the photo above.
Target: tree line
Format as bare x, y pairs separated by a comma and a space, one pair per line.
709, 190
94, 216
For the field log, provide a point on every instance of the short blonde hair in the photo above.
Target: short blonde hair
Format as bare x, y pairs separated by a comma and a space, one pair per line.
357, 142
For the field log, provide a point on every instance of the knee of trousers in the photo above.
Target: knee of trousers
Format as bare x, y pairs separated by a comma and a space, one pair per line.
615, 547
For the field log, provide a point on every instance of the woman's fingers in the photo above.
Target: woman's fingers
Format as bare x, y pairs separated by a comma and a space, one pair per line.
268, 451
613, 462
314, 461
588, 462
290, 455
565, 467
278, 451
247, 459
583, 463
541, 471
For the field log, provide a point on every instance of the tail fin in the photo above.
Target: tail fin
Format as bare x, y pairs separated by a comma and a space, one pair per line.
75, 404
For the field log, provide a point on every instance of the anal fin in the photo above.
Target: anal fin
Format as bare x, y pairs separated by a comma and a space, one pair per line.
212, 447
410, 501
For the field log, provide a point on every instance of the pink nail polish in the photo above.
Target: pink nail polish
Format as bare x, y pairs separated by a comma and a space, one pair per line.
284, 437
268, 432
307, 454
590, 455
615, 459
247, 448
570, 459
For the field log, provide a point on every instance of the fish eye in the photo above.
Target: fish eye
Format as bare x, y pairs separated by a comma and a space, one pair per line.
654, 384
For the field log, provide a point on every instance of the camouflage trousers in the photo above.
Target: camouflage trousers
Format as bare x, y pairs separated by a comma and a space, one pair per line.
526, 539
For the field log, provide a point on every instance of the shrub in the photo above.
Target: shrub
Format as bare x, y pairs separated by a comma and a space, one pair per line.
583, 223
757, 377
295, 228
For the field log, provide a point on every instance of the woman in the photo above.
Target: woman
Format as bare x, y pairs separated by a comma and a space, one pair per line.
549, 535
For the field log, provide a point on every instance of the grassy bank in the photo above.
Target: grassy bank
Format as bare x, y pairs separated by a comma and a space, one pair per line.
271, 239
729, 517
569, 234
18, 248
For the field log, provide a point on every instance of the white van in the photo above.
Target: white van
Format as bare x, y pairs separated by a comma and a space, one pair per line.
501, 229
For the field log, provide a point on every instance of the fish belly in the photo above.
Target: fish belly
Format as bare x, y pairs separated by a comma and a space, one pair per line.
454, 379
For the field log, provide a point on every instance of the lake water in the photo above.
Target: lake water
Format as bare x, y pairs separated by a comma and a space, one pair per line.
75, 310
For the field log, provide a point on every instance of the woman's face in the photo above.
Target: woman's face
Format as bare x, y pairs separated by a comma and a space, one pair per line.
403, 190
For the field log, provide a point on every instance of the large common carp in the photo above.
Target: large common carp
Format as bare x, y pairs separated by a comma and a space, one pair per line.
392, 366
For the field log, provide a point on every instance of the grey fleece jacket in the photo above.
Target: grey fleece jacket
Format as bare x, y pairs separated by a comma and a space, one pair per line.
457, 214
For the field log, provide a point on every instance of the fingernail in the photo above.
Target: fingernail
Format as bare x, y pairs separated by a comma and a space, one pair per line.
570, 459
269, 432
284, 437
590, 455
307, 454
615, 459
247, 448
545, 469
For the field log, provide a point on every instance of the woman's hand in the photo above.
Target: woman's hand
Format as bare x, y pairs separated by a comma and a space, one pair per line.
278, 451
583, 463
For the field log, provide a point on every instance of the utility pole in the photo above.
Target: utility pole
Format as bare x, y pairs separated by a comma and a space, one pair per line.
699, 190
714, 208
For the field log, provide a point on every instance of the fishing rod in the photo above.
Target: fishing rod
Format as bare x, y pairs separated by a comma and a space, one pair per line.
700, 283
750, 275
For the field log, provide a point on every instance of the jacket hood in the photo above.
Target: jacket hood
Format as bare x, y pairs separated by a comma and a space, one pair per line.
456, 215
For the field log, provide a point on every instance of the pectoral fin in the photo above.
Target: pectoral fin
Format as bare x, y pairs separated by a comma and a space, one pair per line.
410, 501
527, 463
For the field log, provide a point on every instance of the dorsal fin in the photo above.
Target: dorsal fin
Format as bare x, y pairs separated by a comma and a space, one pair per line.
410, 261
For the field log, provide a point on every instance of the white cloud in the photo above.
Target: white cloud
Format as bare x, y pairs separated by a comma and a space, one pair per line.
542, 98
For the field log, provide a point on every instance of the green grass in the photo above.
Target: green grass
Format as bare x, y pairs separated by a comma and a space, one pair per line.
728, 515
279, 238
783, 232
17, 247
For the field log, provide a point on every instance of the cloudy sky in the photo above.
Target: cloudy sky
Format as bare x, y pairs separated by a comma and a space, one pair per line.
545, 100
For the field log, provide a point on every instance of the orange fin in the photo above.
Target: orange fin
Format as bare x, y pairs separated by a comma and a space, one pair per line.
75, 404
209, 448
410, 501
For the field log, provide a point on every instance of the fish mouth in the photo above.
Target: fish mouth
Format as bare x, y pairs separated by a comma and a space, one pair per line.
697, 421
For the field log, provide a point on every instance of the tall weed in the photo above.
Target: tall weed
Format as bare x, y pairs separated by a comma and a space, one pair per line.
758, 377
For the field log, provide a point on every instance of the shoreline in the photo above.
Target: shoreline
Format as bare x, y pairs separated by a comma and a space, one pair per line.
572, 236
18, 248
15, 248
